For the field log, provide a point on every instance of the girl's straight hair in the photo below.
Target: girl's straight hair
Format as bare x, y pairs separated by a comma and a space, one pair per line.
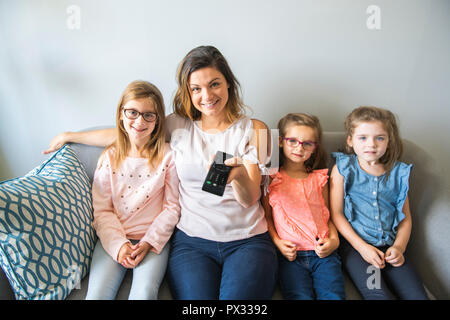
318, 159
387, 118
154, 148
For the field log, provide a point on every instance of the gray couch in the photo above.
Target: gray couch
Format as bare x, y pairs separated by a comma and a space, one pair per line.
428, 247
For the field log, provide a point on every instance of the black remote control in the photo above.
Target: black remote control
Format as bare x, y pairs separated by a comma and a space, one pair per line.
218, 173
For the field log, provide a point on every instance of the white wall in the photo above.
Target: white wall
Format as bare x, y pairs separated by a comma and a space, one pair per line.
315, 56
289, 55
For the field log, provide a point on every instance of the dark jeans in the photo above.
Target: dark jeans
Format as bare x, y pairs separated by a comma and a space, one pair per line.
389, 283
209, 270
309, 277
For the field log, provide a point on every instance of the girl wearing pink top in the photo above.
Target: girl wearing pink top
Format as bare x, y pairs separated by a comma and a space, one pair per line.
135, 199
298, 217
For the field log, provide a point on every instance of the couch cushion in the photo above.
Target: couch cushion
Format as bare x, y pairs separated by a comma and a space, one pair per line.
46, 233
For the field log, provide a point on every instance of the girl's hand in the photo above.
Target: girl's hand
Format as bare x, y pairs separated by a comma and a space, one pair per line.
394, 256
57, 142
140, 250
372, 255
288, 249
124, 256
326, 246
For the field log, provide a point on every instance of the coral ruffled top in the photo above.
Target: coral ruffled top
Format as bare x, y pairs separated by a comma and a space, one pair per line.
298, 208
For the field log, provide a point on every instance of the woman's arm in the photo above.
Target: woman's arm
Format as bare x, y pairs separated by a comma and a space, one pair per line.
100, 138
245, 178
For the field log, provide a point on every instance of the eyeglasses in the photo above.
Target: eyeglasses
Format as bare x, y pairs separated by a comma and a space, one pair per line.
134, 114
307, 145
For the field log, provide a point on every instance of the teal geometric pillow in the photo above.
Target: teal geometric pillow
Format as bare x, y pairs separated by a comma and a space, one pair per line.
46, 233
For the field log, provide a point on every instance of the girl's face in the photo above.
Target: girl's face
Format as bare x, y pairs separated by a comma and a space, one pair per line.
369, 141
209, 91
299, 153
139, 129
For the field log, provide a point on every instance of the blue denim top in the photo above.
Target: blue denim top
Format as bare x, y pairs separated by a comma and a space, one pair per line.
373, 205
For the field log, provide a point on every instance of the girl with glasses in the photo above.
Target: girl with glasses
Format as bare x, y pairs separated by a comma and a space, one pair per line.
135, 199
298, 216
220, 248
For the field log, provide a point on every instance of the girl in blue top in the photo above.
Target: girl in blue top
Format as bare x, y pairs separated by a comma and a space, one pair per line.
370, 208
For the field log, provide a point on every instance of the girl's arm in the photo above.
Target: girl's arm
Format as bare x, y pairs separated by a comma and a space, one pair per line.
287, 248
327, 246
246, 178
404, 229
394, 255
161, 229
369, 253
106, 222
100, 138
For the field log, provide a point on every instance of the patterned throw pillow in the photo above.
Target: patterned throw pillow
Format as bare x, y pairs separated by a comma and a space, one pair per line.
46, 233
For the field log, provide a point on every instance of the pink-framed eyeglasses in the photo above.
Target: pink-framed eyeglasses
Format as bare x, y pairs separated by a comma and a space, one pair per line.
307, 145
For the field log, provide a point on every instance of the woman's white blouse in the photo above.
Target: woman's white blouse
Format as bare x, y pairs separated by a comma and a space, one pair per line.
203, 214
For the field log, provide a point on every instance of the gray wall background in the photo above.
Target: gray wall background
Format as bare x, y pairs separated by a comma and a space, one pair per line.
314, 56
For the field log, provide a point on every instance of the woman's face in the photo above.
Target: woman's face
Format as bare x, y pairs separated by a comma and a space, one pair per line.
209, 91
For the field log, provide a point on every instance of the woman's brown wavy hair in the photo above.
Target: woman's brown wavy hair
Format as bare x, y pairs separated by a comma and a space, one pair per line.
203, 57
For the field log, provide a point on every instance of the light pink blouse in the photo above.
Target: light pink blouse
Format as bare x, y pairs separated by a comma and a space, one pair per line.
298, 208
135, 202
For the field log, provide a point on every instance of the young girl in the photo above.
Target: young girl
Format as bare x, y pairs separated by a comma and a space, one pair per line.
298, 217
135, 199
369, 206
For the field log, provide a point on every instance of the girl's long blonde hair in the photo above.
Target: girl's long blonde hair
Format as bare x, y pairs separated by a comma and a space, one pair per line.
387, 118
154, 148
318, 159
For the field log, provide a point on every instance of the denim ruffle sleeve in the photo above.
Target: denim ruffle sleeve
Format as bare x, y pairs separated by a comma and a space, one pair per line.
343, 162
345, 165
403, 174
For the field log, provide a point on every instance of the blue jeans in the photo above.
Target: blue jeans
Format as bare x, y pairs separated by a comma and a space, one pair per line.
389, 283
106, 275
309, 277
208, 270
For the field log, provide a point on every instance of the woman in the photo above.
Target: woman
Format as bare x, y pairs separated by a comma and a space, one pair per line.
221, 248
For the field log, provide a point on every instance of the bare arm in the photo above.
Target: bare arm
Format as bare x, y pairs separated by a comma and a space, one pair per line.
394, 254
404, 229
100, 138
245, 178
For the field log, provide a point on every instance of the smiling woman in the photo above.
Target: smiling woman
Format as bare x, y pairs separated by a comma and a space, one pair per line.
222, 241
234, 255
